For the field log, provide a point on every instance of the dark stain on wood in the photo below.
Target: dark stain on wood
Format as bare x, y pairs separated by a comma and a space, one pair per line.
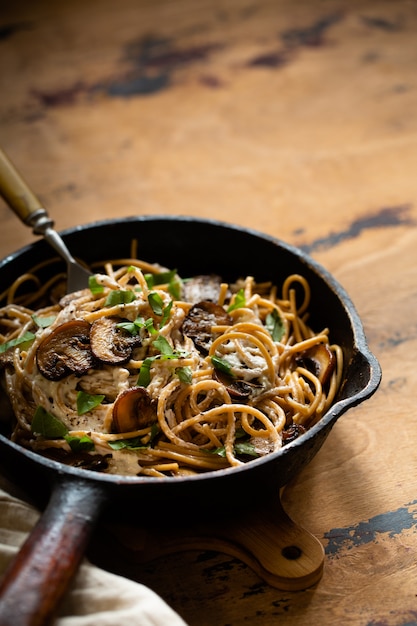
274, 59
384, 218
152, 52
154, 62
310, 36
293, 39
381, 23
397, 338
61, 97
392, 523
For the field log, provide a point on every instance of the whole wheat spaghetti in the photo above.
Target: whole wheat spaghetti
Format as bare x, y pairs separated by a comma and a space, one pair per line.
135, 376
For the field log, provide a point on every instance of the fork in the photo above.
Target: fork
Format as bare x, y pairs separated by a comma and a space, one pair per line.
21, 199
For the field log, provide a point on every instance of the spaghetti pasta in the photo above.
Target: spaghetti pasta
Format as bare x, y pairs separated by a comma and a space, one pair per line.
135, 376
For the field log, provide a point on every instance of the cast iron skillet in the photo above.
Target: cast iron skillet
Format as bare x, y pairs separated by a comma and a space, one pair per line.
38, 578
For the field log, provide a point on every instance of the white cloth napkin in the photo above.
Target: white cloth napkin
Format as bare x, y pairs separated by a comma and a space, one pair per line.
96, 597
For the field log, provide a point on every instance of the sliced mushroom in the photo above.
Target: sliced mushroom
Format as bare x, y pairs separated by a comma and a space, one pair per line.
83, 460
240, 390
319, 360
65, 351
133, 409
202, 287
6, 358
200, 320
111, 344
292, 432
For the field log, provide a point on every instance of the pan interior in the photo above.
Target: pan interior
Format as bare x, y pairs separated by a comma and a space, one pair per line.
194, 246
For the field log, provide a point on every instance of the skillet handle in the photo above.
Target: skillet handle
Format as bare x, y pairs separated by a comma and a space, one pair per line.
37, 579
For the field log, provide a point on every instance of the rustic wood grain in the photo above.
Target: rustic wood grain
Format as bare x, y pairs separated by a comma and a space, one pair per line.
299, 120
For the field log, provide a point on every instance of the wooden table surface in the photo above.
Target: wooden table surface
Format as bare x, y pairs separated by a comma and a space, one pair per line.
298, 119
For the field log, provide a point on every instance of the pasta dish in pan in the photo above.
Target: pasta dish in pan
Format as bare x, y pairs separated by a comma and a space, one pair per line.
146, 373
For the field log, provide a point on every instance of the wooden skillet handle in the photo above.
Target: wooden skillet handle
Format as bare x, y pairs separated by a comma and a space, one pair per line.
37, 579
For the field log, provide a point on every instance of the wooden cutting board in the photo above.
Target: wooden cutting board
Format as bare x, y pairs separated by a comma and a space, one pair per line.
281, 552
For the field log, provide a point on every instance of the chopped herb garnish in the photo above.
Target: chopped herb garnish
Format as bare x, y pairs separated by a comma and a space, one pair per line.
46, 425
240, 449
165, 313
166, 351
156, 303
163, 346
135, 443
238, 302
157, 306
222, 365
144, 377
154, 432
80, 444
43, 322
24, 342
174, 288
86, 402
132, 328
120, 297
245, 448
275, 325
163, 278
185, 374
150, 327
94, 285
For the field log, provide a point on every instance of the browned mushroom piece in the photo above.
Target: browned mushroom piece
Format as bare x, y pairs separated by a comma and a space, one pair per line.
66, 351
292, 432
202, 287
111, 344
319, 360
239, 390
83, 460
133, 409
200, 320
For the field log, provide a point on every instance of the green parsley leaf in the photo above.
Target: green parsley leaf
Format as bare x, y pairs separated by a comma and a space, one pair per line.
240, 433
46, 425
166, 351
238, 302
165, 313
163, 346
156, 303
155, 430
24, 342
130, 327
43, 322
144, 377
87, 401
275, 325
162, 278
218, 451
245, 448
135, 443
174, 288
80, 444
185, 374
116, 297
221, 365
240, 449
94, 285
150, 327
